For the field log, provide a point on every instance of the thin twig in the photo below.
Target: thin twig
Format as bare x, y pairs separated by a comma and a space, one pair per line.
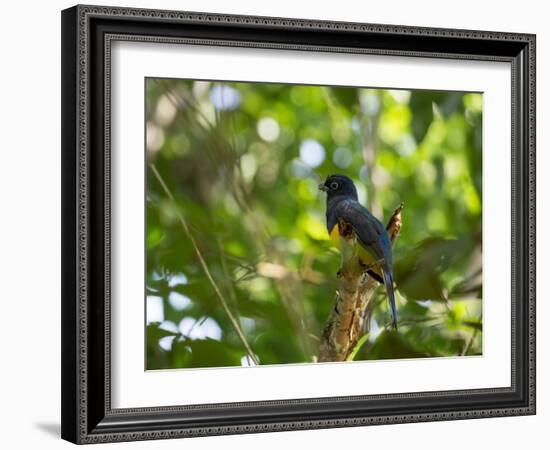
185, 227
232, 291
470, 342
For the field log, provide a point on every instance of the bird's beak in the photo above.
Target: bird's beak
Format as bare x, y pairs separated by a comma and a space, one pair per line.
323, 188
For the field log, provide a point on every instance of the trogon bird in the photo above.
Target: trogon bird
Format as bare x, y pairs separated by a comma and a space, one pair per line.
374, 249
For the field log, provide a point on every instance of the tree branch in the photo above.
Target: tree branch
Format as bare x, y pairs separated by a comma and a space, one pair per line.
353, 308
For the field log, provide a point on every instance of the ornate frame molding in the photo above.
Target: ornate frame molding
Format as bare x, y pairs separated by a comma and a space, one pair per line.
86, 66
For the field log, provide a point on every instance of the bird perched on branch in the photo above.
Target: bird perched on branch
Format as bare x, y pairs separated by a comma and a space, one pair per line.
348, 220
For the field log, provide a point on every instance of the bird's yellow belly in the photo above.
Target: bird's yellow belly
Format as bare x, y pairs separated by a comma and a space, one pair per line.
335, 234
367, 259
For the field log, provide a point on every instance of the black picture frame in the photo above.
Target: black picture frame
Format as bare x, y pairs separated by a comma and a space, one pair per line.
87, 32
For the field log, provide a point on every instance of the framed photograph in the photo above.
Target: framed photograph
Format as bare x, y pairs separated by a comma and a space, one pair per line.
281, 224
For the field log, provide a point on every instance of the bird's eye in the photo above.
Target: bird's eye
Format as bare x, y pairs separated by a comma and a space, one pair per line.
334, 185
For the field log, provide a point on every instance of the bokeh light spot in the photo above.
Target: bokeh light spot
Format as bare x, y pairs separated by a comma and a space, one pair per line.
155, 137
249, 166
225, 98
166, 342
170, 326
312, 153
342, 157
155, 309
400, 95
177, 279
179, 301
166, 111
268, 129
200, 329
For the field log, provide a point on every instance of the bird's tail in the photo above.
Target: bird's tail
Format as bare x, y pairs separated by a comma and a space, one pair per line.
388, 281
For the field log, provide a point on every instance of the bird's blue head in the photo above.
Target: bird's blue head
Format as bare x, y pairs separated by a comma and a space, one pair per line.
339, 186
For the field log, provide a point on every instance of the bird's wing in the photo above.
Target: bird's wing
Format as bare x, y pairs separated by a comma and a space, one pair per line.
370, 232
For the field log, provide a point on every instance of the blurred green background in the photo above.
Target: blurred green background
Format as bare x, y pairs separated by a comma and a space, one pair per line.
233, 174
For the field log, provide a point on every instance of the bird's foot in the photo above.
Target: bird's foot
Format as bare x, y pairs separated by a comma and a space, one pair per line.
372, 265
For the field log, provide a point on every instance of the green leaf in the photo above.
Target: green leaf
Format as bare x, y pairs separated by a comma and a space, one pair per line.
418, 273
212, 353
358, 346
392, 345
347, 97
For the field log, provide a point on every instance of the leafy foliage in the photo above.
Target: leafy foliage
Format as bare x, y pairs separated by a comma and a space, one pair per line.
242, 162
